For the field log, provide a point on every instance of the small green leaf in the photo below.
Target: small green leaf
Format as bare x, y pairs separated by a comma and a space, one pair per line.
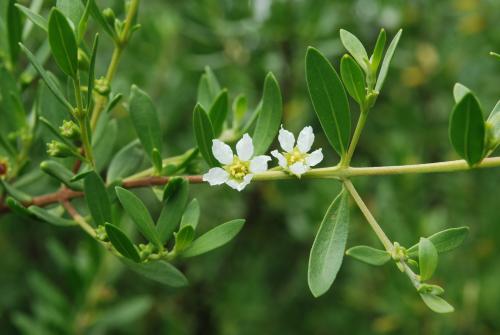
126, 161
145, 120
49, 217
91, 79
14, 30
14, 192
378, 51
204, 133
445, 240
191, 215
240, 107
173, 207
159, 271
139, 214
269, 119
61, 173
384, 69
63, 43
329, 100
72, 9
327, 251
208, 88
369, 255
436, 304
493, 127
459, 91
17, 207
427, 258
353, 78
96, 13
183, 238
467, 129
355, 48
218, 112
122, 243
214, 238
51, 83
36, 18
157, 160
97, 199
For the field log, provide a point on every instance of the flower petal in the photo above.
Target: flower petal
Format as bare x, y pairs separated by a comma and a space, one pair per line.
216, 176
244, 148
280, 157
298, 168
306, 139
240, 185
222, 152
259, 163
314, 157
286, 139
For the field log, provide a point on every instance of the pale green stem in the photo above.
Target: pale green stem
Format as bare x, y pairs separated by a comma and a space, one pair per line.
355, 138
369, 217
82, 116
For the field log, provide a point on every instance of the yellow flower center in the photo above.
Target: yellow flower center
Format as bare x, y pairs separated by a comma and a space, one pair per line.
238, 169
294, 156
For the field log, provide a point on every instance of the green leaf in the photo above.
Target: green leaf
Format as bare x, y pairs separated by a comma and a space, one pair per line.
369, 255
103, 145
467, 129
214, 238
445, 240
49, 217
157, 160
36, 18
183, 238
72, 9
191, 215
355, 48
427, 258
63, 43
353, 78
173, 207
328, 248
218, 112
14, 192
122, 243
61, 173
159, 271
204, 133
493, 125
96, 13
436, 304
387, 61
126, 161
240, 107
51, 84
139, 214
17, 207
97, 199
145, 121
329, 100
91, 79
208, 88
459, 91
269, 119
14, 30
378, 51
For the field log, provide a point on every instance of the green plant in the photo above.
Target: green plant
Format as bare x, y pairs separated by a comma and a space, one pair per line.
83, 139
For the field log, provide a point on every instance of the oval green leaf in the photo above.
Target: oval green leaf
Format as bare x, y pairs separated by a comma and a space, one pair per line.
355, 48
436, 304
445, 240
218, 112
459, 91
173, 207
467, 129
384, 69
122, 243
204, 133
214, 238
329, 100
427, 258
327, 251
97, 199
36, 18
139, 214
127, 161
159, 271
184, 238
49, 217
353, 78
61, 173
191, 215
269, 119
369, 255
62, 42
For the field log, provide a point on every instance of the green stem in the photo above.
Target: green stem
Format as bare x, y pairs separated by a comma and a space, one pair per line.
369, 217
355, 138
81, 116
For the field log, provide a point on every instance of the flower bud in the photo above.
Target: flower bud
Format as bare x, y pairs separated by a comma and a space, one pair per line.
58, 149
109, 15
101, 234
69, 129
102, 86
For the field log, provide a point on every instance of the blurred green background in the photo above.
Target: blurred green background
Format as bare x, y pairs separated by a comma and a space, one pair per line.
56, 281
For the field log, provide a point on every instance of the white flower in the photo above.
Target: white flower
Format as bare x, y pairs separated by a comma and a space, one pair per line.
295, 158
237, 170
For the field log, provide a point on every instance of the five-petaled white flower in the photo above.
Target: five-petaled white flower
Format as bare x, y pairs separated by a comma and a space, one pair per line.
295, 158
237, 170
